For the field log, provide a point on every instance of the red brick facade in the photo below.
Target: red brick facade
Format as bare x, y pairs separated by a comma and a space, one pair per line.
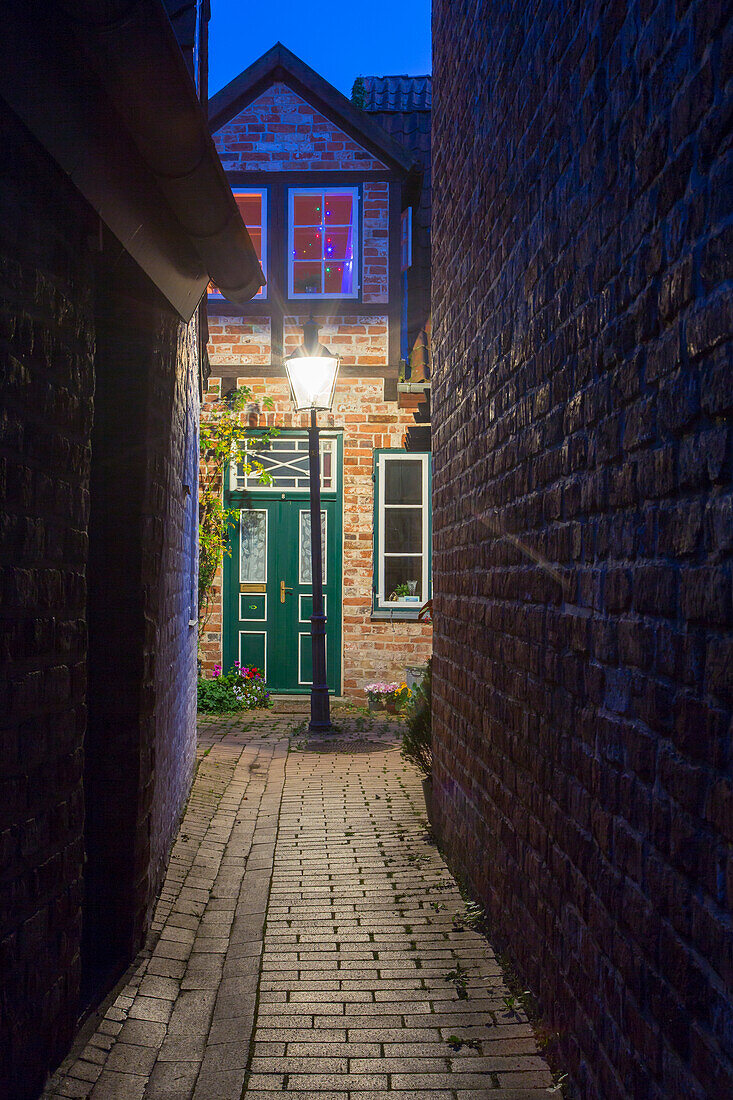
280, 133
372, 650
583, 664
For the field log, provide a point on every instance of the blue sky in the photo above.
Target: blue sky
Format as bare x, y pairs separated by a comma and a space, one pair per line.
339, 40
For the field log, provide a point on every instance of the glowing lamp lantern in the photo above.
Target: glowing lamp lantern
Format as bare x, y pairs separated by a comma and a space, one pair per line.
312, 372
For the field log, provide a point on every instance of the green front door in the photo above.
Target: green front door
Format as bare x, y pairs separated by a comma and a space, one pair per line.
267, 585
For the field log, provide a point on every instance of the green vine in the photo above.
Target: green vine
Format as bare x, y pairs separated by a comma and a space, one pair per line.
221, 443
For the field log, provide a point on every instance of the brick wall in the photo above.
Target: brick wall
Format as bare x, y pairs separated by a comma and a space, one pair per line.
46, 342
97, 569
239, 339
582, 518
140, 740
356, 339
375, 252
372, 650
279, 131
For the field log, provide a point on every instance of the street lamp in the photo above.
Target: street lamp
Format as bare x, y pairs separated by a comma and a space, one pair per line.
312, 371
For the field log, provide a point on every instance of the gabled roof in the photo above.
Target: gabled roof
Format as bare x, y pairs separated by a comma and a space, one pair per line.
396, 93
279, 65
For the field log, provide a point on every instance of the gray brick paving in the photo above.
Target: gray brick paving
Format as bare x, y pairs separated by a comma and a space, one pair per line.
304, 941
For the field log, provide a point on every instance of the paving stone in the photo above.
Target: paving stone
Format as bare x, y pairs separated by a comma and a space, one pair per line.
303, 890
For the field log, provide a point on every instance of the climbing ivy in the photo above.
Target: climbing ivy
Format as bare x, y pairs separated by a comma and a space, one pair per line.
221, 442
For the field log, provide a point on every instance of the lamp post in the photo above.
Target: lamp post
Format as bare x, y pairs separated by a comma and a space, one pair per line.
312, 371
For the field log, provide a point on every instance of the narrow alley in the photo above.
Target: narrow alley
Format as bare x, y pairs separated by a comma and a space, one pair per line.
308, 940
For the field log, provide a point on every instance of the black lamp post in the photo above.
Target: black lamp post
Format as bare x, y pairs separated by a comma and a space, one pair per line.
312, 371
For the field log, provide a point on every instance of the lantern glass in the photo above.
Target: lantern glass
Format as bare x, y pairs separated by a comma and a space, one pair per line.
312, 380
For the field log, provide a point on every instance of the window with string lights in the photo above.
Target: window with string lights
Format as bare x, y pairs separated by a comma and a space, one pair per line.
323, 242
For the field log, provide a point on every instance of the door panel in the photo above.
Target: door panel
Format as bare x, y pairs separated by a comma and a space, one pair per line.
268, 591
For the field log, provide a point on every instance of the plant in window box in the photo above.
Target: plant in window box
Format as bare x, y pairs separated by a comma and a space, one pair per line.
399, 592
390, 697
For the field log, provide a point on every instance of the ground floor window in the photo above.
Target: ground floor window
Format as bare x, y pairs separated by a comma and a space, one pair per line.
401, 530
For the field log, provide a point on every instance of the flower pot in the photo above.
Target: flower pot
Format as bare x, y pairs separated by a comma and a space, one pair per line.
427, 790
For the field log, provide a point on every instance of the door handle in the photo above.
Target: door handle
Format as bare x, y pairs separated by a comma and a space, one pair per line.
283, 590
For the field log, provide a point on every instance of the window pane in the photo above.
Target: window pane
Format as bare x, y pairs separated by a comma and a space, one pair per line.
338, 244
338, 278
403, 571
253, 546
255, 235
306, 572
403, 530
250, 207
338, 209
307, 278
307, 244
402, 481
307, 210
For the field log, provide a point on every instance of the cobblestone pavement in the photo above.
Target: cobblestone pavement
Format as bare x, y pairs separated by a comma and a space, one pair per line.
308, 940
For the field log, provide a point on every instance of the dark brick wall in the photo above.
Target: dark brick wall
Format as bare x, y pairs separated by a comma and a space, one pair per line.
97, 560
583, 389
140, 742
47, 369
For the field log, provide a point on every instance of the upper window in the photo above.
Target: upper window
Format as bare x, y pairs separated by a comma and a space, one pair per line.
285, 461
402, 530
252, 203
323, 242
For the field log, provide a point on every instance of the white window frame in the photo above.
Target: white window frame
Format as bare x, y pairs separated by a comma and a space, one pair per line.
324, 191
381, 603
262, 192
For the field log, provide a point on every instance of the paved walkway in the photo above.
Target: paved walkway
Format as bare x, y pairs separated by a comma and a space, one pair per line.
308, 940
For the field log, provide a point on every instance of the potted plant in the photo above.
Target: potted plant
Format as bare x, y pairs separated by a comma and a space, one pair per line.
387, 696
417, 744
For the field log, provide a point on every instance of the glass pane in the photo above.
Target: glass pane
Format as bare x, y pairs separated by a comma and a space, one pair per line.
307, 210
255, 235
403, 577
403, 530
402, 481
307, 244
338, 278
339, 244
306, 574
285, 460
338, 209
253, 546
307, 278
250, 207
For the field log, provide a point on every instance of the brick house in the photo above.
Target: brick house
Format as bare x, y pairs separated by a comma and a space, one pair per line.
328, 197
583, 394
115, 216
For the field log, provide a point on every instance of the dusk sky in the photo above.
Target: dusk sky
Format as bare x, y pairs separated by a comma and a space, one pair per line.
345, 41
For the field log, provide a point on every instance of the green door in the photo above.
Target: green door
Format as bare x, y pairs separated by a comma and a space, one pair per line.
268, 592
